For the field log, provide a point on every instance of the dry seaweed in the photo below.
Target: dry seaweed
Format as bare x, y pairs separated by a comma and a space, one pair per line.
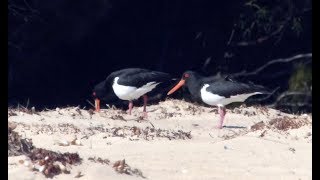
49, 161
145, 133
258, 126
99, 160
17, 145
285, 123
123, 168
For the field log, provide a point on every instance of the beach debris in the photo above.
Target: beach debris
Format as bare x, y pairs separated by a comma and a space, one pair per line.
248, 112
17, 145
117, 117
263, 133
119, 166
51, 163
244, 111
281, 123
147, 133
78, 175
99, 160
285, 123
123, 168
258, 126
76, 142
195, 125
236, 110
136, 130
292, 150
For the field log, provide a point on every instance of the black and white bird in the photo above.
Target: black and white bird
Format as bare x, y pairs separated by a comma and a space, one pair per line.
217, 92
129, 84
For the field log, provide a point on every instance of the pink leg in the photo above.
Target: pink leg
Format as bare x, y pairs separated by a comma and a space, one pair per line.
145, 100
130, 107
222, 113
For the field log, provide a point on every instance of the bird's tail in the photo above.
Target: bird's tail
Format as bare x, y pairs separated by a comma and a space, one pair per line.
268, 92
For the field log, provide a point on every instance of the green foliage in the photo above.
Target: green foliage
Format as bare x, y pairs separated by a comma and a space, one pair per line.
260, 18
301, 79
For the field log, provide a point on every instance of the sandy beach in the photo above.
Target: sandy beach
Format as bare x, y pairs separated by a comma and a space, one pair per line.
177, 141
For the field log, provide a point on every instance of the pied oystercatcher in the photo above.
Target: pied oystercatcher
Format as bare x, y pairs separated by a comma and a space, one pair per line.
217, 92
129, 84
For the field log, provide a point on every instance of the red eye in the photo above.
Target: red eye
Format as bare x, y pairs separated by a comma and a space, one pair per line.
94, 93
186, 75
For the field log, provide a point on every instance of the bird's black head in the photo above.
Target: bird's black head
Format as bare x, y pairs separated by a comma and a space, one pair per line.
187, 75
187, 78
103, 91
100, 91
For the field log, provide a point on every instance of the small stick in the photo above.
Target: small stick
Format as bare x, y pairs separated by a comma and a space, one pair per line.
91, 103
211, 135
151, 124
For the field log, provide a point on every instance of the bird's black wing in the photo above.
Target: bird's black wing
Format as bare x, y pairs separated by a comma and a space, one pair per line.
230, 88
138, 77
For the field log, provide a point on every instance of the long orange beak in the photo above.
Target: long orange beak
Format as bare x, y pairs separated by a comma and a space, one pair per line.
97, 104
181, 83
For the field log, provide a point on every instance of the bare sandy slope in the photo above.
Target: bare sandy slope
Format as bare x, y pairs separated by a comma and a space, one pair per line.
161, 147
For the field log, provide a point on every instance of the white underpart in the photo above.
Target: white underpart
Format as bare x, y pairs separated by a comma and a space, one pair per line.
214, 99
129, 92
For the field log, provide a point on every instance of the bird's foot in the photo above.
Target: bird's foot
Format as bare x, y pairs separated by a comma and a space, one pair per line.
145, 115
128, 112
218, 127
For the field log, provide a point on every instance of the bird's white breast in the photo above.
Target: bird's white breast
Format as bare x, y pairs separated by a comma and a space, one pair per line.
214, 99
130, 92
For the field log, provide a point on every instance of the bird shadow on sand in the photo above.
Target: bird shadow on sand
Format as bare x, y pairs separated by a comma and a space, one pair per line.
234, 127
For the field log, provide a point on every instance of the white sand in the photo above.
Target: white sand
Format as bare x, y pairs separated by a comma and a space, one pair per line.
207, 155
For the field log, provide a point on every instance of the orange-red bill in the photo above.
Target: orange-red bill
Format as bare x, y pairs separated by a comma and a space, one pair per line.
97, 104
181, 83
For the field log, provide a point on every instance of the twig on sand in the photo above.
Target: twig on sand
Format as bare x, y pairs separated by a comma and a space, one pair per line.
211, 135
151, 124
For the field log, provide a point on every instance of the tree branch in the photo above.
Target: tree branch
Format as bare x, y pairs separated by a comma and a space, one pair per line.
291, 93
280, 60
